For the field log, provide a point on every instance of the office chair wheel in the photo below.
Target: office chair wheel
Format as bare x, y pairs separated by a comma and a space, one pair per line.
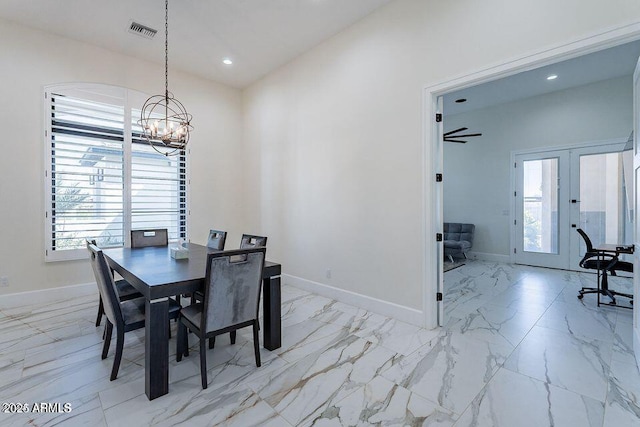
580, 296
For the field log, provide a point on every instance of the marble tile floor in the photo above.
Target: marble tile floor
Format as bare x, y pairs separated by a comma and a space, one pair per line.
517, 349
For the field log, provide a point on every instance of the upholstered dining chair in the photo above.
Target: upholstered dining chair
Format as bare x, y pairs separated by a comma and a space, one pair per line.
150, 237
246, 242
124, 315
252, 241
124, 289
217, 239
233, 281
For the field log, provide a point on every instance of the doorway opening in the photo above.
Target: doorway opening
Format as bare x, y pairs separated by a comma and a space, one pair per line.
435, 212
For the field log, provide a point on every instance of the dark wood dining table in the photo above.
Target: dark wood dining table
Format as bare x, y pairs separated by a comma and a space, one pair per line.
158, 276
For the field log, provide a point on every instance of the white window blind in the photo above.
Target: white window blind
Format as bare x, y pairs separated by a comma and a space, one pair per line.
102, 178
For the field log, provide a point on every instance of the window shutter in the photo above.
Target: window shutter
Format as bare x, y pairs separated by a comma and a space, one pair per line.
102, 178
86, 178
158, 187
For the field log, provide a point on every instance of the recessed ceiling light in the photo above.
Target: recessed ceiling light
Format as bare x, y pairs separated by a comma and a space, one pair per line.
461, 100
227, 61
552, 77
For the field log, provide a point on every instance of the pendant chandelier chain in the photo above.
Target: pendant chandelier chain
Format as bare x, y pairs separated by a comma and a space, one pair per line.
166, 48
167, 135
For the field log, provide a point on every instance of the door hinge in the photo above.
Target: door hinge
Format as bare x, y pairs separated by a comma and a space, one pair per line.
514, 250
515, 222
514, 194
438, 177
438, 296
515, 165
438, 237
438, 117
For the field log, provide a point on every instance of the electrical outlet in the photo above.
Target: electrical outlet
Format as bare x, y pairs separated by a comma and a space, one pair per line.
328, 273
4, 281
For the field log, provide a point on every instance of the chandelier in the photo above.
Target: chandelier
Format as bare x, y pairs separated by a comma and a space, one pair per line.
165, 122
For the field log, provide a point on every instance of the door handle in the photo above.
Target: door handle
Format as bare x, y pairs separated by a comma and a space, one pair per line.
575, 201
573, 226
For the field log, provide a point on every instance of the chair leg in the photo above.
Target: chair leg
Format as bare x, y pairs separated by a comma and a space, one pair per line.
108, 328
203, 361
100, 312
465, 255
212, 342
256, 343
450, 258
180, 345
118, 358
232, 335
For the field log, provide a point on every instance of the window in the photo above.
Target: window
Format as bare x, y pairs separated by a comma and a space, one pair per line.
102, 178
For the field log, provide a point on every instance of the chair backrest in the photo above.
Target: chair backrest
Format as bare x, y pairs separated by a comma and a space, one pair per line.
459, 231
232, 287
151, 237
106, 285
587, 240
251, 241
217, 239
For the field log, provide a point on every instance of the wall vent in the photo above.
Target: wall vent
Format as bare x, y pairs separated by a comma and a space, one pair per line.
142, 30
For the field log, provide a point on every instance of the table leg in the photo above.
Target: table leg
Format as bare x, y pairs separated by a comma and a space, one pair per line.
271, 307
156, 342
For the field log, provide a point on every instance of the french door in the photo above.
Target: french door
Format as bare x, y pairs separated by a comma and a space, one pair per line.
562, 190
541, 192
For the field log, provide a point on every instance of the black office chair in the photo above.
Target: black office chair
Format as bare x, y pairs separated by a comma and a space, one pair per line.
607, 264
126, 315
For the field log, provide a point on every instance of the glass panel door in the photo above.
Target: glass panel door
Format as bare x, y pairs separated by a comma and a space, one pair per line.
602, 207
540, 205
541, 185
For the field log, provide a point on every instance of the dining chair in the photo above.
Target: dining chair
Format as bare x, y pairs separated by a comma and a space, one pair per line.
247, 241
252, 241
125, 315
217, 239
233, 281
150, 237
125, 291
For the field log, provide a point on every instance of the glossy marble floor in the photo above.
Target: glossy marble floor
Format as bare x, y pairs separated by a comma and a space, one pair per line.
518, 349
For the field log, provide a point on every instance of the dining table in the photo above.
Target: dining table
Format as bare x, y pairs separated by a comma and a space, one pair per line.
158, 276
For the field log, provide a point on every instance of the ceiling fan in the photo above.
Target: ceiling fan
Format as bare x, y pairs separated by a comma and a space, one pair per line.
452, 137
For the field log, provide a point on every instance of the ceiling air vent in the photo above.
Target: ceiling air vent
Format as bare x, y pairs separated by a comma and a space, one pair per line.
142, 30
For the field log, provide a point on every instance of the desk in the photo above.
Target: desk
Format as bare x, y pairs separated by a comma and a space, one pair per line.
157, 276
615, 250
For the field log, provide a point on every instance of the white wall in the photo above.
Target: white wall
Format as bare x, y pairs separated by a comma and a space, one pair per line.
333, 140
31, 59
477, 184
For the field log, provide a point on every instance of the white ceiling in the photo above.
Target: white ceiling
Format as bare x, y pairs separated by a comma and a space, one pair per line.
603, 65
262, 35
258, 35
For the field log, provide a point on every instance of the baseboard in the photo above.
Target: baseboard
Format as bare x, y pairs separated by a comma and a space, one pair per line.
484, 256
385, 308
47, 295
